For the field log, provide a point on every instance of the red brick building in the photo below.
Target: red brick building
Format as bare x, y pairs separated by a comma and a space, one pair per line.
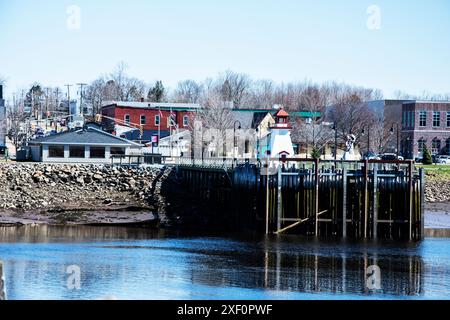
425, 123
153, 117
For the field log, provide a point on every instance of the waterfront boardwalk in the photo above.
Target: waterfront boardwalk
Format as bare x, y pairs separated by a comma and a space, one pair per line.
348, 199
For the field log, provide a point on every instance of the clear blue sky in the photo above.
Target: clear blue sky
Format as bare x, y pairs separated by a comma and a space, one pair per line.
283, 40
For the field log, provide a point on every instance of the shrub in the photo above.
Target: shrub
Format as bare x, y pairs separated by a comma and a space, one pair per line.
427, 159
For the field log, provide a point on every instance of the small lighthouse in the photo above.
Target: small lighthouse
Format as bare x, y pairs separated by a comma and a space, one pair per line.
280, 143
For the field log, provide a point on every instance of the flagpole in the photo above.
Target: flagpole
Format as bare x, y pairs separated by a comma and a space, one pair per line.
170, 132
159, 127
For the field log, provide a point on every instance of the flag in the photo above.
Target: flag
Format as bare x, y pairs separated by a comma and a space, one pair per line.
172, 118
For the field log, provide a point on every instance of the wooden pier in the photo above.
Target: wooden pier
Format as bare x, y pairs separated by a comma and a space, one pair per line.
359, 199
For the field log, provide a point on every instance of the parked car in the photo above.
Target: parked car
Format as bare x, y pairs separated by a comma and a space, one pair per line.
371, 156
443, 159
391, 157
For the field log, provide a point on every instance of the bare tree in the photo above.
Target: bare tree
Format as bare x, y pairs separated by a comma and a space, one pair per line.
217, 119
188, 91
262, 94
313, 132
95, 95
234, 87
18, 130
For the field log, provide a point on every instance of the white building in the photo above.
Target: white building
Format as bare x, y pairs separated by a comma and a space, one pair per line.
87, 145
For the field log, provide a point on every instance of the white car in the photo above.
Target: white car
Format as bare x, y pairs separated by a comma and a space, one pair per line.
443, 159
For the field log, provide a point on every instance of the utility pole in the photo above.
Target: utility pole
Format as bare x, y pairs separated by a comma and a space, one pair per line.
68, 96
81, 96
56, 99
46, 108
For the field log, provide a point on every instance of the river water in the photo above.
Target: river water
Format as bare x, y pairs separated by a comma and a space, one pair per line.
131, 263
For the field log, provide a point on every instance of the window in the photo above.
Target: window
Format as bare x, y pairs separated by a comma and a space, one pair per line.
56, 151
421, 144
185, 121
448, 119
117, 151
76, 152
436, 146
447, 146
157, 120
97, 152
143, 120
436, 119
126, 119
422, 119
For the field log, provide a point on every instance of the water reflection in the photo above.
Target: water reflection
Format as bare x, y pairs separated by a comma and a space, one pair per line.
45, 233
149, 264
325, 269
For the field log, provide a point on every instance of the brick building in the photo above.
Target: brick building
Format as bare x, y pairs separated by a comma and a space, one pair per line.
425, 123
153, 117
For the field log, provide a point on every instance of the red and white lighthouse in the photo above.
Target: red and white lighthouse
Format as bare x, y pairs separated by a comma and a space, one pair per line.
280, 136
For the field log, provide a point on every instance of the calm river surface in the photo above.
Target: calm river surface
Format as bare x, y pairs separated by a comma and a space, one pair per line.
124, 263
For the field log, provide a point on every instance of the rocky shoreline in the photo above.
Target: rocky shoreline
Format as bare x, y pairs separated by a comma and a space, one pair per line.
65, 194
437, 188
79, 194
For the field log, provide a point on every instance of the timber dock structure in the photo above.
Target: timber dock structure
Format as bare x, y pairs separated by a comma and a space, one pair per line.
347, 199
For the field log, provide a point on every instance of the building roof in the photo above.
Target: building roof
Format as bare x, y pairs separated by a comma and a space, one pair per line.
427, 102
153, 105
281, 113
250, 120
86, 136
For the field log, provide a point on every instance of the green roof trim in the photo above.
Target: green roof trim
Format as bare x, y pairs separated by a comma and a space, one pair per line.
300, 114
306, 114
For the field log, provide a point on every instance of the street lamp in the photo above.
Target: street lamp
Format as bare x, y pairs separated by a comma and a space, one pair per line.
368, 137
392, 131
237, 122
257, 143
335, 140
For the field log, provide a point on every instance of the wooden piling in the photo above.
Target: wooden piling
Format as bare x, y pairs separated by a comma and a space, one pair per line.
2, 283
375, 203
366, 196
267, 197
422, 201
410, 198
279, 199
316, 193
344, 202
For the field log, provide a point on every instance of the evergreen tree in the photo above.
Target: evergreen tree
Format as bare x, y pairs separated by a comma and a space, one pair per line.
156, 94
427, 159
316, 154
